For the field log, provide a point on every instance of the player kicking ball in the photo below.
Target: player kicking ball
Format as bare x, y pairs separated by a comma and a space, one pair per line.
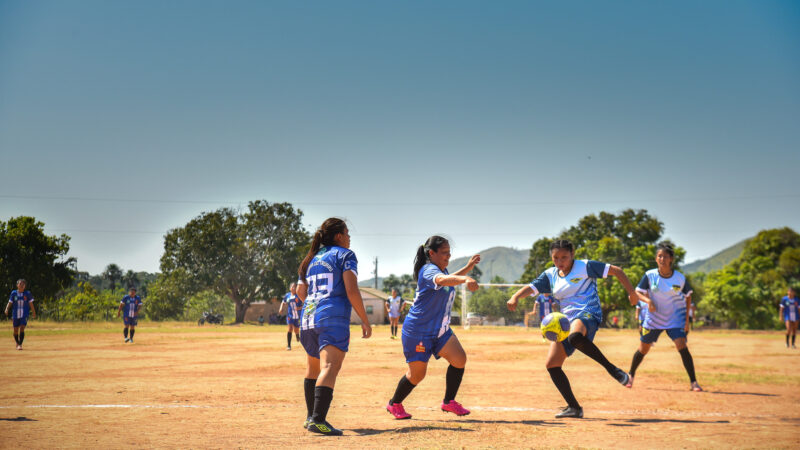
129, 307
20, 305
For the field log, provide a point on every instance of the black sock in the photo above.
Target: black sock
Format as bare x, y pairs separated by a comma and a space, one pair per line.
637, 359
562, 383
132, 331
454, 376
297, 336
16, 338
404, 387
787, 340
391, 327
125, 333
323, 395
793, 339
289, 339
588, 348
21, 337
308, 386
688, 363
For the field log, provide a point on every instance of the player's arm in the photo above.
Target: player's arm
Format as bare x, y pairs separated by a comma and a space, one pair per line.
455, 280
8, 307
780, 311
619, 274
280, 309
536, 307
522, 292
119, 310
33, 309
354, 296
473, 261
688, 307
301, 291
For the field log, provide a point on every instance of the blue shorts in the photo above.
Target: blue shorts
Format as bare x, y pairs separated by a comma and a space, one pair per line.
130, 321
21, 322
315, 339
293, 322
591, 329
418, 348
788, 318
651, 336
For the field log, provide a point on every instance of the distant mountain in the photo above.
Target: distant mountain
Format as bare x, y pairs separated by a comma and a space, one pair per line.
717, 261
503, 261
371, 283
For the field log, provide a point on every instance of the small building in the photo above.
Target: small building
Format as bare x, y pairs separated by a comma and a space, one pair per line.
262, 308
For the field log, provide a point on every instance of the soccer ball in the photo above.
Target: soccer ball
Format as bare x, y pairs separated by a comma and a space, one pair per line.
555, 327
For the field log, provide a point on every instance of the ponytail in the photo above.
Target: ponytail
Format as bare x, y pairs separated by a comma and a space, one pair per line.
324, 236
421, 258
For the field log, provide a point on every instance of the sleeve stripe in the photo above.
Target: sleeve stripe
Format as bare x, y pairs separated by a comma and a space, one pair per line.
605, 271
535, 291
643, 291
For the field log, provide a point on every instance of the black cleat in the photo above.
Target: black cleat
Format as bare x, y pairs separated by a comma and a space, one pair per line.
323, 428
571, 411
622, 377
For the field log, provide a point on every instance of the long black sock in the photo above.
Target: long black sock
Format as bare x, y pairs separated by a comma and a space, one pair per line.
323, 395
793, 339
16, 338
404, 387
132, 331
454, 376
588, 348
289, 339
21, 337
562, 383
308, 387
787, 339
125, 333
297, 336
688, 363
637, 359
392, 328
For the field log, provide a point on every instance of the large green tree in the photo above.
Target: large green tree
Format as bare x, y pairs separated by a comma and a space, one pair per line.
113, 274
27, 252
245, 257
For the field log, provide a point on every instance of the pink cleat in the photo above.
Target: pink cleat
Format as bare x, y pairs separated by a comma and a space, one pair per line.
696, 387
397, 411
455, 408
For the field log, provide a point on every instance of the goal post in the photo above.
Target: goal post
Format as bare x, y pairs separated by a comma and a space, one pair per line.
465, 297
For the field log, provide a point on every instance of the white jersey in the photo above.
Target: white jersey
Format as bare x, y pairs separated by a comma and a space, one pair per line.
394, 305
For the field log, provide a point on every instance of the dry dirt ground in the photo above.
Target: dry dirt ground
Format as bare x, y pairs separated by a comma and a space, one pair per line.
180, 385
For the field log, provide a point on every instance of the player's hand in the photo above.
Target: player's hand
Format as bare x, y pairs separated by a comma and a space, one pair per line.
651, 306
512, 304
366, 330
472, 285
686, 328
633, 298
474, 260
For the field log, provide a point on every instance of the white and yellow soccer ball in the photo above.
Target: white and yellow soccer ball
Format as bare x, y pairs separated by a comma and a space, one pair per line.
555, 327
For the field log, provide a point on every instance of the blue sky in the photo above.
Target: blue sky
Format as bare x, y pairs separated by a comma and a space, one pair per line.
494, 122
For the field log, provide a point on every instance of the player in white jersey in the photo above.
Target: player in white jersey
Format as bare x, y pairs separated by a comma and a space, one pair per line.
293, 306
668, 295
394, 306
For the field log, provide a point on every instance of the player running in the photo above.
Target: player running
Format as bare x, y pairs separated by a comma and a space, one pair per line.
394, 306
293, 306
20, 305
329, 286
789, 312
668, 295
572, 283
641, 311
426, 330
129, 306
545, 304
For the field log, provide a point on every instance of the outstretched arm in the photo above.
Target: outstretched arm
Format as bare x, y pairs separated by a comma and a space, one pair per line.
633, 297
455, 280
473, 261
523, 292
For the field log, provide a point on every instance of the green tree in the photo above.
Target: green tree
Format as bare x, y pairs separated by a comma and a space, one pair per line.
130, 279
392, 282
168, 296
27, 252
112, 274
244, 257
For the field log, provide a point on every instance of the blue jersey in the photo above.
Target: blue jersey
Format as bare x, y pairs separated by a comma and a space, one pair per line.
130, 305
327, 304
790, 308
576, 292
546, 304
642, 310
293, 305
429, 315
20, 304
669, 296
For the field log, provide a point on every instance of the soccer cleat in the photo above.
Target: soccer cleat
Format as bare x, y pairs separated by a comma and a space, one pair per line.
127, 340
393, 337
19, 347
307, 422
630, 382
455, 408
622, 377
130, 340
696, 387
323, 428
571, 412
288, 349
397, 411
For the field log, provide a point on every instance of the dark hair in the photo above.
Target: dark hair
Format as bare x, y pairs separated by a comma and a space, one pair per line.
561, 244
22, 280
422, 257
667, 247
322, 237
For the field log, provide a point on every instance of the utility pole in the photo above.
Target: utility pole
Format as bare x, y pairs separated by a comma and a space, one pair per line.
376, 272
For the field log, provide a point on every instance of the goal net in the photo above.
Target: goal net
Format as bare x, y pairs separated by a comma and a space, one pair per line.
487, 305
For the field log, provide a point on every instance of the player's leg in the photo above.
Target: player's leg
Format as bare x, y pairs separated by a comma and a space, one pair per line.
288, 333
309, 385
132, 328
125, 329
296, 331
581, 335
556, 356
686, 357
638, 357
21, 334
454, 353
788, 331
417, 352
331, 359
793, 326
16, 334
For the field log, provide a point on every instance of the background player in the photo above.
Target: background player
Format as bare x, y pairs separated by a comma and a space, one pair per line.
426, 330
394, 306
789, 312
329, 286
20, 305
129, 306
641, 310
293, 306
668, 295
544, 305
572, 283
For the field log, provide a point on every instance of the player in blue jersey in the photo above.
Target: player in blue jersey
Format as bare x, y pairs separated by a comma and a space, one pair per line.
572, 283
545, 304
791, 315
293, 306
668, 295
426, 330
329, 287
394, 306
641, 311
20, 305
129, 307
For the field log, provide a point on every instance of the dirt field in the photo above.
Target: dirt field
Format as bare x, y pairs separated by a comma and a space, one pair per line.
184, 386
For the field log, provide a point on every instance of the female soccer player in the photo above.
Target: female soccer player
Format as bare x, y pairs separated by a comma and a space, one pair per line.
426, 330
329, 287
545, 304
394, 305
20, 304
641, 310
790, 313
668, 295
130, 304
293, 306
573, 284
